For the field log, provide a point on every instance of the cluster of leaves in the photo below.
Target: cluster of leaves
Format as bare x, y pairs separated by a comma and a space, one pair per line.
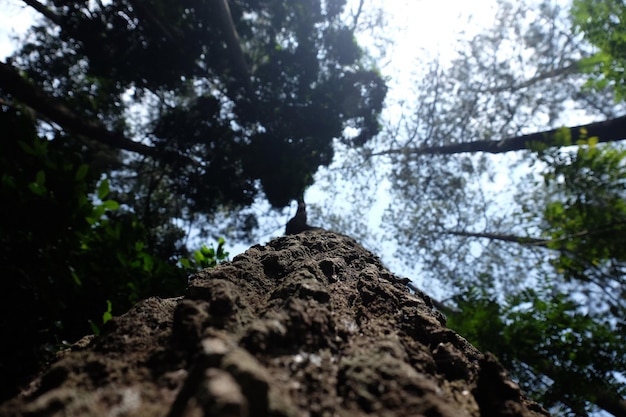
206, 257
603, 23
69, 257
564, 357
585, 214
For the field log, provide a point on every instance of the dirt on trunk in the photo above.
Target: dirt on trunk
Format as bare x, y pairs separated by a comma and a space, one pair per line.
307, 325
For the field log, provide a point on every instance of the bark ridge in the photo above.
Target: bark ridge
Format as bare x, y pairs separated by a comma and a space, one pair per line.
307, 325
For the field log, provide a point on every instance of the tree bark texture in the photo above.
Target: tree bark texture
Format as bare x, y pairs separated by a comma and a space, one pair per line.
308, 325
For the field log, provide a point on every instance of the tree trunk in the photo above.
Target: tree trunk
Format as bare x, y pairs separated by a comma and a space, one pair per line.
224, 21
607, 131
310, 324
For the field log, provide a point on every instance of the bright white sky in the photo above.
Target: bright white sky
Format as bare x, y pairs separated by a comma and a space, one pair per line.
15, 18
430, 24
436, 25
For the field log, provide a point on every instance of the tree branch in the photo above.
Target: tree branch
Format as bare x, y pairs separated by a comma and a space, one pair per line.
49, 14
237, 58
13, 83
566, 70
607, 131
501, 237
357, 15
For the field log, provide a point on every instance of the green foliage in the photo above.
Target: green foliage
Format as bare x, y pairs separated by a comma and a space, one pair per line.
477, 315
558, 352
205, 257
585, 214
65, 253
603, 24
562, 337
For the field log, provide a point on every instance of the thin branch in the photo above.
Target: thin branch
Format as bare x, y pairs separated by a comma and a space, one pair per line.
568, 69
357, 15
231, 38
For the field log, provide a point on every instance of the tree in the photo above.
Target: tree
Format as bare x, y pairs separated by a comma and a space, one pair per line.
258, 94
308, 324
568, 325
466, 234
132, 120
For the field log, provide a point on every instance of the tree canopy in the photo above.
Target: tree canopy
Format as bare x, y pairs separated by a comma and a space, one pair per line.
244, 91
504, 167
504, 176
129, 123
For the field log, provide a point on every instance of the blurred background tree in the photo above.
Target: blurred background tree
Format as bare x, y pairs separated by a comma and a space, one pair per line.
504, 172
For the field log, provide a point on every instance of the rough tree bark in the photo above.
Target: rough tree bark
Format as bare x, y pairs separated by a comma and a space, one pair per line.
308, 325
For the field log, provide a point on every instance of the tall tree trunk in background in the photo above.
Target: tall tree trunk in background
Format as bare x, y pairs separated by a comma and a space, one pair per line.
606, 131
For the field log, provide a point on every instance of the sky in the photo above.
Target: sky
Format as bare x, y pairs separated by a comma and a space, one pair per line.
419, 30
15, 19
433, 25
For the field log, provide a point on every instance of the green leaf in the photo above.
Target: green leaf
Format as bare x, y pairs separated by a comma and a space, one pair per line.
39, 186
27, 148
81, 173
107, 315
185, 262
76, 278
40, 178
103, 189
198, 256
94, 328
148, 262
37, 189
111, 205
96, 214
8, 180
206, 251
